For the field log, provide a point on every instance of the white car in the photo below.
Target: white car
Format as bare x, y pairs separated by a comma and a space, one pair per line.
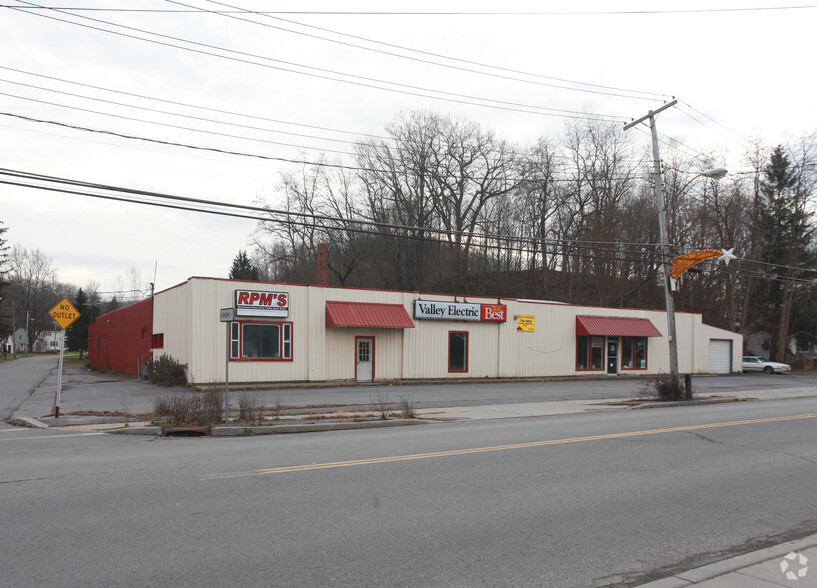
758, 364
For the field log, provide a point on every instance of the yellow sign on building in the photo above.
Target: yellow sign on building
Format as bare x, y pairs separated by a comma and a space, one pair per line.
64, 313
526, 323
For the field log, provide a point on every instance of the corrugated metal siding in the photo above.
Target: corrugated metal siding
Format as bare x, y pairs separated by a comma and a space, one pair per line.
172, 317
188, 317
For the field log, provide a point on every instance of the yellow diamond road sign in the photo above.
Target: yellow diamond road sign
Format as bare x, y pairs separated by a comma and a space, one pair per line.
64, 313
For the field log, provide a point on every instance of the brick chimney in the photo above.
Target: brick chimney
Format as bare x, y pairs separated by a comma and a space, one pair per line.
323, 264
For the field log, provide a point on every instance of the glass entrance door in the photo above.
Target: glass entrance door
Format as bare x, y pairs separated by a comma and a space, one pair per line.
612, 355
364, 369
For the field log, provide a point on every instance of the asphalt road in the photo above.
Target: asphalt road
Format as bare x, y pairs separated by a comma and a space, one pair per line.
602, 499
19, 378
482, 393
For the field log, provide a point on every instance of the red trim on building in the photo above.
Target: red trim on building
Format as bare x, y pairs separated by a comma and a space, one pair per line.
371, 354
465, 335
282, 341
614, 326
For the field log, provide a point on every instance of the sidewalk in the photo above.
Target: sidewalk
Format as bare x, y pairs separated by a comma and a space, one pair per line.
99, 402
786, 564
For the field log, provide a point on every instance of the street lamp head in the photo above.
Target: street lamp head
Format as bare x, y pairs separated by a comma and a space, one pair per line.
715, 174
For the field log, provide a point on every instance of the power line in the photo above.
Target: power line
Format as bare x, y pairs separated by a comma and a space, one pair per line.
440, 12
178, 127
481, 240
355, 80
197, 107
322, 164
592, 88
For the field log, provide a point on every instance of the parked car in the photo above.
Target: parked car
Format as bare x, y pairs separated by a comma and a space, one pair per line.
758, 364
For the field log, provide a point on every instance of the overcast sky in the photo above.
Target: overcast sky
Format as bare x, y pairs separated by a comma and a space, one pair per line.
299, 82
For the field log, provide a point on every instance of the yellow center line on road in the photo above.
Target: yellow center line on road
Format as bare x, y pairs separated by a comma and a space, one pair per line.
453, 452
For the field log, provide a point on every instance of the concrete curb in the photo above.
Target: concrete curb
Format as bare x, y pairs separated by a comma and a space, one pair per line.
155, 431
690, 402
252, 430
239, 431
733, 564
27, 422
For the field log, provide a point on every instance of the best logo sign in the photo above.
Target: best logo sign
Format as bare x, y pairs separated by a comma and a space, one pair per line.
261, 304
494, 313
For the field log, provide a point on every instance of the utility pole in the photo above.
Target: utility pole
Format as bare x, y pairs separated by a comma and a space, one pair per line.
13, 330
665, 257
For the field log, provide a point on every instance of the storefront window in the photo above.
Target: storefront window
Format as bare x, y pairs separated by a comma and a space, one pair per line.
457, 352
634, 353
261, 341
589, 352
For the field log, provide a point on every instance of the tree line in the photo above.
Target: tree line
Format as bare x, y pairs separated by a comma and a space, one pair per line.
29, 288
445, 205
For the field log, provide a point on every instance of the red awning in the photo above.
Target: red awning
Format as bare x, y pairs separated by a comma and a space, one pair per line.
364, 314
615, 326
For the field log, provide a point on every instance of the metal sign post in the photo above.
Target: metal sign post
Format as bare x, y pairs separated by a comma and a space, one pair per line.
227, 315
64, 314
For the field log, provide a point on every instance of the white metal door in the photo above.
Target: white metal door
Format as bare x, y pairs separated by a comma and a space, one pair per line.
365, 359
720, 356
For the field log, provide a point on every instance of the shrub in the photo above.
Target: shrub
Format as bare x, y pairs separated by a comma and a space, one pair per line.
661, 388
278, 406
407, 408
167, 372
248, 409
185, 407
381, 406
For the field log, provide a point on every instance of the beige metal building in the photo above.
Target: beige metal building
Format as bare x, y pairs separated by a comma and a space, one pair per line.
284, 332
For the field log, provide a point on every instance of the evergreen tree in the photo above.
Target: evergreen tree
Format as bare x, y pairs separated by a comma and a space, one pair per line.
77, 334
785, 230
112, 304
242, 268
5, 315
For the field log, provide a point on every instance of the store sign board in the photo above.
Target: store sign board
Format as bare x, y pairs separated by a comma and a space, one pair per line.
495, 313
526, 323
261, 304
460, 311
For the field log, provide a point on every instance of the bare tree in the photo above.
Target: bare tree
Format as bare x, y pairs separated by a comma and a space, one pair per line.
34, 290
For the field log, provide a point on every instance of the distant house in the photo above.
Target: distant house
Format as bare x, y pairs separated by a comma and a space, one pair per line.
47, 341
759, 345
16, 342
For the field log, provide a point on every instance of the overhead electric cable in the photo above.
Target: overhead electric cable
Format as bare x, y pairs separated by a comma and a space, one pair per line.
198, 107
482, 240
599, 89
267, 210
177, 127
365, 81
446, 13
324, 164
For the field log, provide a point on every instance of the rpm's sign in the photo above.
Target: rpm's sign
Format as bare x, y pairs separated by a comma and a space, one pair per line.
262, 304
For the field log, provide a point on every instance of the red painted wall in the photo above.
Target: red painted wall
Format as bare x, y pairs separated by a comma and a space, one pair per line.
120, 340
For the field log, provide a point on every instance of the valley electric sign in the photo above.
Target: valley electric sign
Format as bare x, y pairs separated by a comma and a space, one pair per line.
460, 311
261, 304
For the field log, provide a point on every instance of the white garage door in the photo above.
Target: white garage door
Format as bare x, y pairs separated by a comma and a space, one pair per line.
720, 356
